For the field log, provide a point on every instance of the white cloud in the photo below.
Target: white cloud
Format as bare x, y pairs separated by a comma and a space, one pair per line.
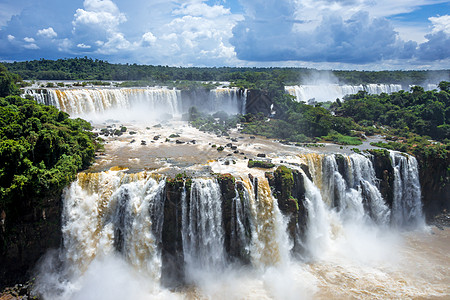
83, 46
11, 37
117, 42
31, 46
198, 34
202, 10
47, 33
65, 45
29, 39
148, 38
441, 23
97, 23
103, 14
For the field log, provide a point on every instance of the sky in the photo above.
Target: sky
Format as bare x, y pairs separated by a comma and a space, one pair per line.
323, 34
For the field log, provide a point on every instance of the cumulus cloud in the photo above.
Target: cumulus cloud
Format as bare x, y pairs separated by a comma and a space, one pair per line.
441, 23
47, 33
31, 46
200, 33
116, 42
310, 33
97, 23
83, 46
438, 41
202, 10
65, 45
282, 31
100, 13
148, 38
29, 39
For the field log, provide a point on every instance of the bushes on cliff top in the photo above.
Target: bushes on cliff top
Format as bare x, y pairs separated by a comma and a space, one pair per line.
41, 150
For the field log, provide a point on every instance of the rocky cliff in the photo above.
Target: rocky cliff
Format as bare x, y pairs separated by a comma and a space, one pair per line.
25, 235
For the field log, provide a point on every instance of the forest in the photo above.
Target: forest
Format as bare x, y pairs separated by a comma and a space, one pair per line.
94, 69
41, 148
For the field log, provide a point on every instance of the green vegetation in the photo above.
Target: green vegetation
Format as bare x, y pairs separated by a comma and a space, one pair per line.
424, 113
94, 70
7, 82
340, 139
41, 149
219, 123
299, 123
260, 164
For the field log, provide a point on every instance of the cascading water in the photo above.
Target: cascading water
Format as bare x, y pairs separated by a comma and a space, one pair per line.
159, 100
202, 230
108, 210
348, 184
85, 101
241, 226
114, 214
270, 243
330, 92
226, 99
407, 205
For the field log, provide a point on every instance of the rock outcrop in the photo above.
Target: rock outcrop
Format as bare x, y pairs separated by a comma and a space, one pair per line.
26, 235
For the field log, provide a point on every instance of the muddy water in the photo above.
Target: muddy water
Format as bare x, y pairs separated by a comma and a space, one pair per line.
164, 153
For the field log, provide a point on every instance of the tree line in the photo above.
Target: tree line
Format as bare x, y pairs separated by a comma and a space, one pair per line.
93, 69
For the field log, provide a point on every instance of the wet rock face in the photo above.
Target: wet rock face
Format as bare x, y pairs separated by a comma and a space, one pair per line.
258, 101
282, 183
24, 240
289, 189
171, 237
385, 174
435, 183
227, 189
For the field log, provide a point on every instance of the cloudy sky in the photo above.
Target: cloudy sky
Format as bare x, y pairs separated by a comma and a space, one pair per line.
337, 34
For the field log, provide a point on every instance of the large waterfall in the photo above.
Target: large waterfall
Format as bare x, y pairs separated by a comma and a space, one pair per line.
147, 101
233, 237
330, 92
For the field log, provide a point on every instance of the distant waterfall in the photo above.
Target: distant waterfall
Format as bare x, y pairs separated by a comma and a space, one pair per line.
330, 92
226, 99
98, 101
407, 205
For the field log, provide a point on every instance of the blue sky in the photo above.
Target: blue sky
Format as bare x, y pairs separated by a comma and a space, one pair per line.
325, 34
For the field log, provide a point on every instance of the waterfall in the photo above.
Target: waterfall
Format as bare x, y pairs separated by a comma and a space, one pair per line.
348, 184
270, 243
226, 99
100, 100
330, 92
111, 211
240, 239
317, 237
83, 101
202, 230
233, 229
407, 205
